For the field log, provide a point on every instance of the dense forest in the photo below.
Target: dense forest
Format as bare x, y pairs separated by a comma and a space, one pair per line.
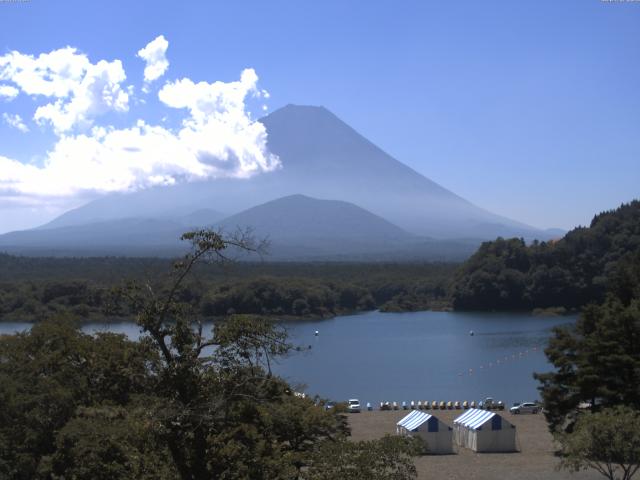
34, 288
597, 360
568, 273
101, 407
506, 274
591, 397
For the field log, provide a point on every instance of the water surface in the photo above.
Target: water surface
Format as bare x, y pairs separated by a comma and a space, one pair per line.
409, 356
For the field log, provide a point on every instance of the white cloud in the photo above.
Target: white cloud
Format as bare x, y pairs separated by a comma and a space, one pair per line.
53, 74
8, 92
217, 139
210, 100
154, 55
15, 121
82, 90
97, 93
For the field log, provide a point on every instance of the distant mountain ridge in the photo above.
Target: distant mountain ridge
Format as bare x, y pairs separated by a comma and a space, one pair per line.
297, 227
322, 158
299, 216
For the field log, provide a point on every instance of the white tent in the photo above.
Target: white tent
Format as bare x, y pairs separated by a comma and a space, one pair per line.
484, 431
436, 434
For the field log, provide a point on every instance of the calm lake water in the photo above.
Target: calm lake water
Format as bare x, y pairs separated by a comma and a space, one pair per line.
409, 356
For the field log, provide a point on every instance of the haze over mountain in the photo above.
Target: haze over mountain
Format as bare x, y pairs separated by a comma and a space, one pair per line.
302, 227
297, 228
322, 157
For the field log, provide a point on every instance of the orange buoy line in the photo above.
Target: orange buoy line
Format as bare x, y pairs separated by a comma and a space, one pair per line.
502, 361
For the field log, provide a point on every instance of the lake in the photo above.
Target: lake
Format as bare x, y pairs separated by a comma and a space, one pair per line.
399, 357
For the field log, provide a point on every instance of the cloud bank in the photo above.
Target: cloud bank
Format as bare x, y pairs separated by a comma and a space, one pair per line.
216, 138
80, 89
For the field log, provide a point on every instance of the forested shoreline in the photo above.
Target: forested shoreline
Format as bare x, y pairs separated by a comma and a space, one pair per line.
34, 288
160, 408
570, 273
82, 406
505, 274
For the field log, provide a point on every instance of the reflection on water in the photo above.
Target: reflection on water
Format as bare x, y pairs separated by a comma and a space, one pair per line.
409, 356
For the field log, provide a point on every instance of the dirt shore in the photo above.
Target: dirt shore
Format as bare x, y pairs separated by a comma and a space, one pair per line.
534, 461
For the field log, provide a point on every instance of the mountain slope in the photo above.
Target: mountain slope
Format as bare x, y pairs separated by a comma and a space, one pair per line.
321, 157
120, 236
297, 227
308, 226
301, 217
128, 236
571, 272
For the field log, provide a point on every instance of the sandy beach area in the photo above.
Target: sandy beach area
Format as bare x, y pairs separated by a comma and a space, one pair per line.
534, 461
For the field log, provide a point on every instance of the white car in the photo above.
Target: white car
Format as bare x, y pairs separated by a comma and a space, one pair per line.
525, 407
354, 405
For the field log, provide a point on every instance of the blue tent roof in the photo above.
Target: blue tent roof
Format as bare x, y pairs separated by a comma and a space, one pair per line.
412, 421
474, 418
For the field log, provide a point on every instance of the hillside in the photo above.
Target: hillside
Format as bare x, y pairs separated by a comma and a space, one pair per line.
297, 227
322, 157
576, 270
312, 227
127, 236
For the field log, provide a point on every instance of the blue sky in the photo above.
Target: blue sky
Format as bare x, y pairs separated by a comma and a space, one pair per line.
530, 109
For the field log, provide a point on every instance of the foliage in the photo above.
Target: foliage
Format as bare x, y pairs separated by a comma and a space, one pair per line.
46, 375
570, 272
181, 403
607, 441
386, 459
34, 288
108, 442
598, 361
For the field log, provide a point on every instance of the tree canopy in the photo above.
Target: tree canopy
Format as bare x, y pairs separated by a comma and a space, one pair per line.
180, 403
597, 362
507, 274
606, 441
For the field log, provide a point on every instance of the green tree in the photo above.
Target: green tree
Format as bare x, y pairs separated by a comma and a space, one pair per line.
572, 272
218, 399
47, 374
596, 363
606, 441
180, 403
389, 458
107, 442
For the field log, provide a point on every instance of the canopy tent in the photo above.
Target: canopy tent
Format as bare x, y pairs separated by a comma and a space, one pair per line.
484, 431
435, 433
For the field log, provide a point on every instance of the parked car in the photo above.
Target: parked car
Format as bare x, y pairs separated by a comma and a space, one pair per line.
354, 405
329, 405
525, 407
